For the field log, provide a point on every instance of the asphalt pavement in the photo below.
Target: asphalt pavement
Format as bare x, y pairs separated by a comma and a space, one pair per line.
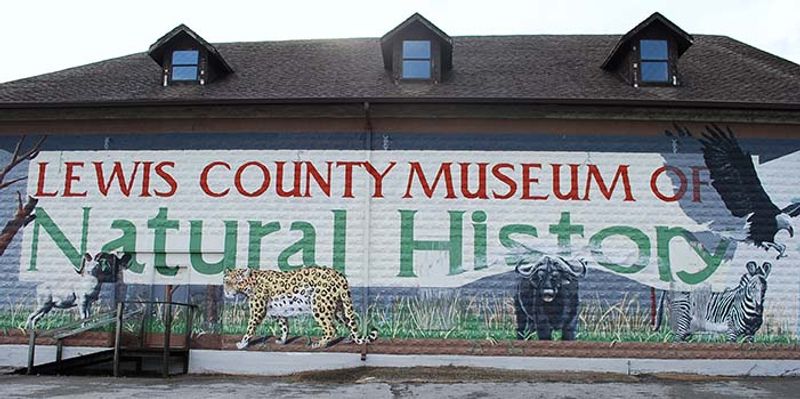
439, 383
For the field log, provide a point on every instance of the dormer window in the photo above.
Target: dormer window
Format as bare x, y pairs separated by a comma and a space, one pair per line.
417, 59
649, 54
185, 57
185, 65
654, 56
417, 51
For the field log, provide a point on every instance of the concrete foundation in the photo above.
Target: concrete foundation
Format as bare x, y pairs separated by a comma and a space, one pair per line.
283, 363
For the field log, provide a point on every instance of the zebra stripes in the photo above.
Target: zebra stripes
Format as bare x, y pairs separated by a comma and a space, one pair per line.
737, 312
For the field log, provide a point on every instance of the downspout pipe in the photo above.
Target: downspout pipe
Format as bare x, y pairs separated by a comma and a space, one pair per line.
368, 131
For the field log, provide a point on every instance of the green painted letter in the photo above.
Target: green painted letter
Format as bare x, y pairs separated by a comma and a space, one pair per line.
510, 243
564, 231
160, 224
196, 248
258, 231
74, 255
306, 245
635, 235
126, 243
339, 239
665, 234
408, 244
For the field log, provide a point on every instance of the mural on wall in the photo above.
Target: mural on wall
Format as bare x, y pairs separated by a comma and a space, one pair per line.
734, 177
551, 237
23, 215
736, 312
82, 291
547, 297
318, 291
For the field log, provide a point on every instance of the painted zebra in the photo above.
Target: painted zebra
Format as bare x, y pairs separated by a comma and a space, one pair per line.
737, 312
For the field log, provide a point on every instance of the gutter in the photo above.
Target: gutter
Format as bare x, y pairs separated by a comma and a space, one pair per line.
429, 100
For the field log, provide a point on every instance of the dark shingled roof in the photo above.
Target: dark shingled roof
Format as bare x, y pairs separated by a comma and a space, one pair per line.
538, 68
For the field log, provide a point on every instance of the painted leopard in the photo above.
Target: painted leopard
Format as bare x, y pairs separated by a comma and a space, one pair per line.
320, 291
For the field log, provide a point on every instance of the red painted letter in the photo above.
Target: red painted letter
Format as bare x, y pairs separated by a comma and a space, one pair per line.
71, 177
204, 179
681, 189
40, 183
512, 185
167, 177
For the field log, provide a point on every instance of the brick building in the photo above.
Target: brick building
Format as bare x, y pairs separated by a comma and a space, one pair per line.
473, 190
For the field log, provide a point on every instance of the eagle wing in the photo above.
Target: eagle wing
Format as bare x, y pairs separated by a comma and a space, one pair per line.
734, 176
792, 209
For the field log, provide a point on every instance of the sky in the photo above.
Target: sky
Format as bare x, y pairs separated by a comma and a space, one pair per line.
44, 36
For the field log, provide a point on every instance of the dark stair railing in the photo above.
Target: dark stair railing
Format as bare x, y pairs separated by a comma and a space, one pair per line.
96, 321
167, 349
136, 353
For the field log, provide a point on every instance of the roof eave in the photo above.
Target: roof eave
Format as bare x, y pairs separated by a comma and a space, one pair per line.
428, 100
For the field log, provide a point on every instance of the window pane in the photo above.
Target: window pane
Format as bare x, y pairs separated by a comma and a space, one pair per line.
654, 71
184, 73
185, 57
416, 69
419, 49
654, 50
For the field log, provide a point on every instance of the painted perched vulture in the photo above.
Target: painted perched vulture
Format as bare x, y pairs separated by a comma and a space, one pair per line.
734, 177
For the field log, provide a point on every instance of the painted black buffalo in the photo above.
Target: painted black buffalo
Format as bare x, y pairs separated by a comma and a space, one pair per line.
547, 297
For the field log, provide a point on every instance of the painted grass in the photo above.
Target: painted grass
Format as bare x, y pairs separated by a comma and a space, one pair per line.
443, 316
435, 315
17, 316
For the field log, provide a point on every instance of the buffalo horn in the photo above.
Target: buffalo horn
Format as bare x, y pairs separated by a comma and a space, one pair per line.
525, 268
576, 271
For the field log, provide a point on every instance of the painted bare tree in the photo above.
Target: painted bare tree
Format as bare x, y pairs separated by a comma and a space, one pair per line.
24, 213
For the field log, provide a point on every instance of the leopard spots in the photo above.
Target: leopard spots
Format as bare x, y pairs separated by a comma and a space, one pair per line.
320, 291
290, 305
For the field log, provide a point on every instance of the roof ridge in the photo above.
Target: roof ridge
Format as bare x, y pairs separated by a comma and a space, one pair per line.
520, 35
787, 63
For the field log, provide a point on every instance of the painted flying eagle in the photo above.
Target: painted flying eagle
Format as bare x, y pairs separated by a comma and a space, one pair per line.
734, 177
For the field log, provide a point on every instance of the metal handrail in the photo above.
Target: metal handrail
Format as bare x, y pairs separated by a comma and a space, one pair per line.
75, 328
167, 316
165, 354
167, 334
162, 303
118, 316
96, 320
70, 330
